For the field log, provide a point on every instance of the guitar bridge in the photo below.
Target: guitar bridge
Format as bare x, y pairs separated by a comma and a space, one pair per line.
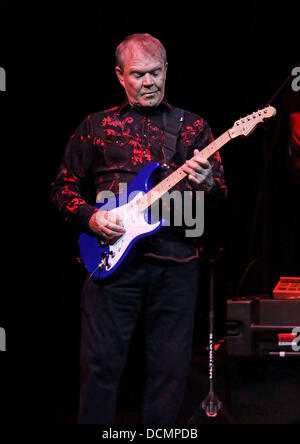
104, 261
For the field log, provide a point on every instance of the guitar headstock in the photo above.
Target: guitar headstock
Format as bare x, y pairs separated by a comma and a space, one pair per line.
245, 125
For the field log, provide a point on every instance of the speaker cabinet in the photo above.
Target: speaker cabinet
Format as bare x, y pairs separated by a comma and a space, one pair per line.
256, 326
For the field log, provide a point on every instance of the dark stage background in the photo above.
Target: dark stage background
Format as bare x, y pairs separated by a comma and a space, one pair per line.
224, 62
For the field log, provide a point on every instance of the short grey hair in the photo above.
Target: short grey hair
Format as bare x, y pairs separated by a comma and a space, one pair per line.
147, 42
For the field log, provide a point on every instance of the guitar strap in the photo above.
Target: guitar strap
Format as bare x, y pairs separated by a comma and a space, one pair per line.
172, 123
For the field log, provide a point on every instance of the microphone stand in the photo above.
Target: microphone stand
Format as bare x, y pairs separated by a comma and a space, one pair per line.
262, 201
211, 405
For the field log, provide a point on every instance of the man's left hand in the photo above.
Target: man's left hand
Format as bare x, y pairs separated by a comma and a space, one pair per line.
199, 172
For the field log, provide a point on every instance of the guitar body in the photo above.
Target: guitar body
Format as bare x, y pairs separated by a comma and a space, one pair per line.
102, 261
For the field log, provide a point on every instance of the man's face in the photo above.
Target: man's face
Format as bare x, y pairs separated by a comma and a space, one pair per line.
143, 77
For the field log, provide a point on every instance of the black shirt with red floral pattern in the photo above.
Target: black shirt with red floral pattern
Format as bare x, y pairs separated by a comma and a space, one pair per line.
110, 147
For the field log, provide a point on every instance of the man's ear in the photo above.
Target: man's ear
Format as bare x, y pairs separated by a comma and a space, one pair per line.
120, 76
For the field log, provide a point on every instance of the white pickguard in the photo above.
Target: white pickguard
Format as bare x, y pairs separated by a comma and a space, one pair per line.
135, 224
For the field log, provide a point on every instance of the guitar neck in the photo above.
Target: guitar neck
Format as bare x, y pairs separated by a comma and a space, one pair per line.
169, 182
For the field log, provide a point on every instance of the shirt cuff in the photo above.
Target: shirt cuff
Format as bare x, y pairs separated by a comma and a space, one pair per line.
85, 212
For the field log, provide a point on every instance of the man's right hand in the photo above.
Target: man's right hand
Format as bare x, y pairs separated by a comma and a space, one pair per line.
107, 225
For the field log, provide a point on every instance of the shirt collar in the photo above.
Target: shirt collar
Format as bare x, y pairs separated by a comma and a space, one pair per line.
164, 105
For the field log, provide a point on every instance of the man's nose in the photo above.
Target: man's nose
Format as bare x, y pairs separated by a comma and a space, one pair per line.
148, 80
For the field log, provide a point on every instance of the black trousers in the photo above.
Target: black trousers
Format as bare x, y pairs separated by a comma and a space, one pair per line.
109, 313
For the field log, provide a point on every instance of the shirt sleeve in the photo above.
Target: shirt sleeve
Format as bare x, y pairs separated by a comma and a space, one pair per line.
70, 188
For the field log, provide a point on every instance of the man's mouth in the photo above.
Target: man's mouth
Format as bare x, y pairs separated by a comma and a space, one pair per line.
149, 93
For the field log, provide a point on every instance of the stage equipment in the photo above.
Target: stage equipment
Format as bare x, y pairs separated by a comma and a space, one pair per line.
262, 326
287, 288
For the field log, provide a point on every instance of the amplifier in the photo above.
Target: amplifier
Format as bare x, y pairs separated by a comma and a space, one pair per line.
259, 326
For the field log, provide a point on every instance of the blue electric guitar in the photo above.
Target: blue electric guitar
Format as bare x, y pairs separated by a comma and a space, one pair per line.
103, 260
